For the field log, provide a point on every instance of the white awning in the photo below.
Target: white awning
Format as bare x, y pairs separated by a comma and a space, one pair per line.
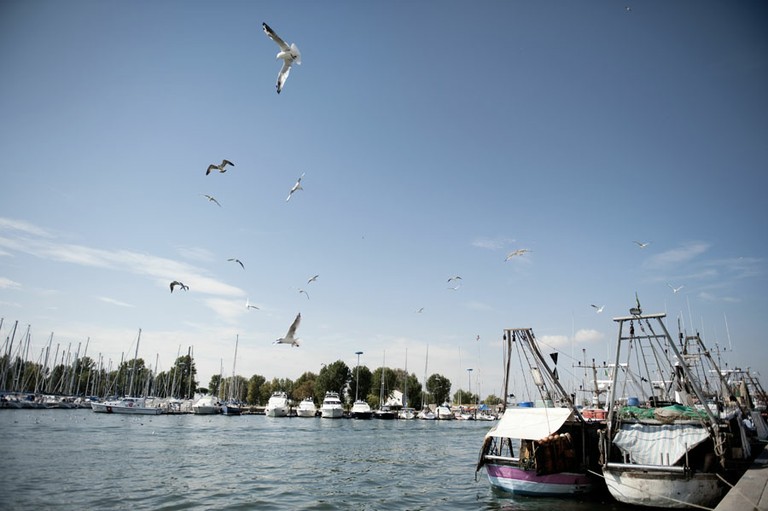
530, 423
658, 444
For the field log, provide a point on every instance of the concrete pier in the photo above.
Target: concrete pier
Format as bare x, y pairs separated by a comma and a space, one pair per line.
751, 492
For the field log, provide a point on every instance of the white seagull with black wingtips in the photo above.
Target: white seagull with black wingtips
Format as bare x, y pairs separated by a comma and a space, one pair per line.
290, 337
289, 54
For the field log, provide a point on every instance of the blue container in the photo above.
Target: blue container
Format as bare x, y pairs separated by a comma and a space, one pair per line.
525, 404
633, 401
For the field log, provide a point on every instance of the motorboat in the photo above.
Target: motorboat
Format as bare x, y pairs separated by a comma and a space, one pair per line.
385, 413
361, 410
277, 406
444, 413
406, 413
331, 408
426, 414
206, 405
307, 408
126, 405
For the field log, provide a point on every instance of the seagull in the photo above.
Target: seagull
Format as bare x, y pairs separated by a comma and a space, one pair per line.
454, 278
296, 187
642, 245
249, 306
220, 167
177, 283
289, 337
289, 54
675, 289
421, 309
598, 310
302, 291
518, 252
238, 261
312, 279
212, 199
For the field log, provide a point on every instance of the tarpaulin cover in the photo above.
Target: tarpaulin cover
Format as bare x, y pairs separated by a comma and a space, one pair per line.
653, 444
530, 423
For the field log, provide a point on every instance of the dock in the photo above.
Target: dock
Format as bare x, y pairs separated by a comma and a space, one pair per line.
751, 491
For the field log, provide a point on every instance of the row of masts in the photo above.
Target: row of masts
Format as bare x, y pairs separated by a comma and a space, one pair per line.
62, 371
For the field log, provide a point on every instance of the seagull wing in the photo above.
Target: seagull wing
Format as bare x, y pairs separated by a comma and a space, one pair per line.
226, 162
272, 35
282, 76
210, 168
294, 326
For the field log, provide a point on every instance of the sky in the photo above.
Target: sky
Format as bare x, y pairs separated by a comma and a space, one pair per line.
434, 138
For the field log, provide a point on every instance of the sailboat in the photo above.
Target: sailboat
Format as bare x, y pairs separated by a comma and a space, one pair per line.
384, 411
232, 406
128, 404
360, 408
543, 450
425, 413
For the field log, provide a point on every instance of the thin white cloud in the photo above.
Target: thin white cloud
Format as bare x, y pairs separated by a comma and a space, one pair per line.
496, 243
679, 255
161, 269
585, 336
8, 283
114, 302
198, 254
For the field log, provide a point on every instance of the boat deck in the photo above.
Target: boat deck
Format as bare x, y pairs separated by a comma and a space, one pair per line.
751, 492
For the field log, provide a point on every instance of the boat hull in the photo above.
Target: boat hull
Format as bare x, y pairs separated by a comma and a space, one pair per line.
527, 482
277, 412
331, 413
306, 413
659, 488
132, 410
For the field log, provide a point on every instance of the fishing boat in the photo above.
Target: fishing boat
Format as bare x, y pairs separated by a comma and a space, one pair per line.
331, 407
277, 406
206, 405
307, 408
541, 450
670, 449
126, 405
360, 410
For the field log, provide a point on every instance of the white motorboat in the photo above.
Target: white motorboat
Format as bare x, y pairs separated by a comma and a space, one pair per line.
277, 406
406, 413
331, 408
426, 414
127, 405
444, 413
206, 405
361, 410
307, 408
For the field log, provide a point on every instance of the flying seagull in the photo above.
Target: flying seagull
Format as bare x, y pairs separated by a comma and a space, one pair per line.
302, 291
598, 310
249, 306
289, 337
296, 187
238, 261
177, 283
642, 244
456, 277
312, 279
220, 167
420, 310
212, 199
518, 252
675, 289
289, 54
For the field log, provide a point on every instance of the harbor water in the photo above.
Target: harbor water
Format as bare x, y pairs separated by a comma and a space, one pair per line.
77, 459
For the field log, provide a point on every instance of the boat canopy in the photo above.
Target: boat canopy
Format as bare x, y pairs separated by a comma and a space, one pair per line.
530, 423
653, 444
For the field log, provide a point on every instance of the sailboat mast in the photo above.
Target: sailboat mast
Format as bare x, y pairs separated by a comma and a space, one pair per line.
133, 369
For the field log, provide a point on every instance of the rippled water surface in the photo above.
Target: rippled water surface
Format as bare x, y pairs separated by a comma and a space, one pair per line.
77, 459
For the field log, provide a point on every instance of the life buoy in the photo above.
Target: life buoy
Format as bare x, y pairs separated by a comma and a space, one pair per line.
109, 409
130, 405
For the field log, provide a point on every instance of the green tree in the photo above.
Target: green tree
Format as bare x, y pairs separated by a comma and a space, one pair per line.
462, 397
304, 386
492, 400
215, 385
440, 387
389, 377
332, 378
366, 380
254, 389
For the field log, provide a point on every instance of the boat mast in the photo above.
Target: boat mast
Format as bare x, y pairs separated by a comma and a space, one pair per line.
133, 369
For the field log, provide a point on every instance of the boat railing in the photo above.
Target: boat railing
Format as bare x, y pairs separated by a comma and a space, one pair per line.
502, 458
677, 469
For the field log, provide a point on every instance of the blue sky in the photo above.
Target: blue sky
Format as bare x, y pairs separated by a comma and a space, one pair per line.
435, 138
